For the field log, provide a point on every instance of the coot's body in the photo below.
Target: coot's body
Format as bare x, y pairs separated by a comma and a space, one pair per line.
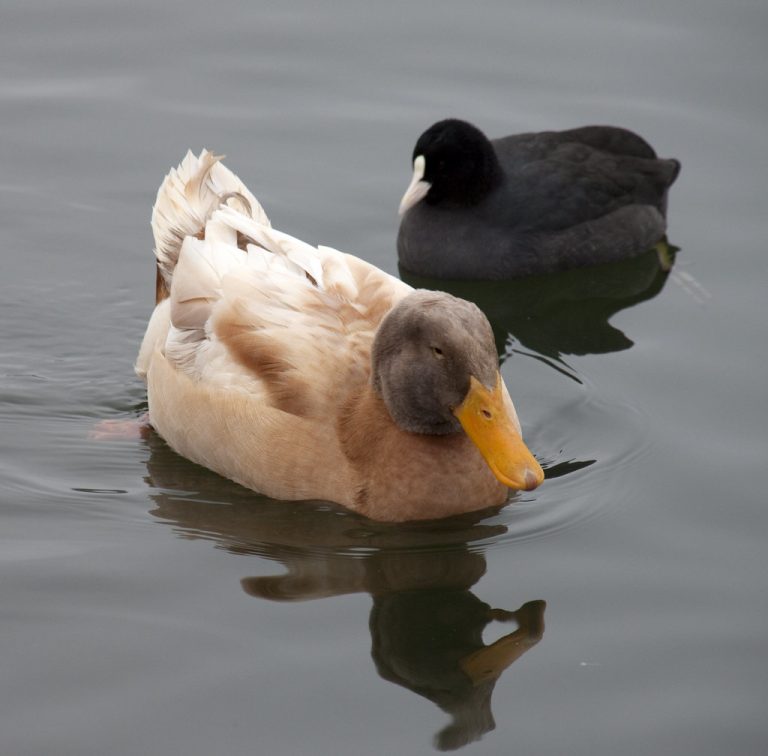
530, 203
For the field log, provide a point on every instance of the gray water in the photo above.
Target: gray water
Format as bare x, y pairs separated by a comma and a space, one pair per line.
150, 607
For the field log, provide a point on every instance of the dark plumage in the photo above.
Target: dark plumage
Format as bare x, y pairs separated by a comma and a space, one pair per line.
530, 203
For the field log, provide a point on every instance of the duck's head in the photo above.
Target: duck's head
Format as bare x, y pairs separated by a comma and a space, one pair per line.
435, 366
453, 163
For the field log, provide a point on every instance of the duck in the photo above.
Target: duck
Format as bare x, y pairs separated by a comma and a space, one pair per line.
529, 204
305, 373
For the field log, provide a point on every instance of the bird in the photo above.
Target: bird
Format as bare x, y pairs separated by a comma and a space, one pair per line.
305, 373
529, 204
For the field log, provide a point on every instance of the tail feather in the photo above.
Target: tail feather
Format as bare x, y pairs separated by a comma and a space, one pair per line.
205, 260
185, 201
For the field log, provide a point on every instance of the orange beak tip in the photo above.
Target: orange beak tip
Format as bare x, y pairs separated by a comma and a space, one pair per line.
526, 480
533, 479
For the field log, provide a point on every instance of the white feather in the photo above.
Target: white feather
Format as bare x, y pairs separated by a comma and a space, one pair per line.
308, 306
154, 337
186, 199
303, 255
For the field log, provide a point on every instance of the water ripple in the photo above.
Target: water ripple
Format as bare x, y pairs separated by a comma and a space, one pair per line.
68, 88
587, 454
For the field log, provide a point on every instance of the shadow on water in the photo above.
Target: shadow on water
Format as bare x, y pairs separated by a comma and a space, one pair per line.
564, 313
426, 624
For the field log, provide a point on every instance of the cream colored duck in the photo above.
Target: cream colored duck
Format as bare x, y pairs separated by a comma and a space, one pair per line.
306, 373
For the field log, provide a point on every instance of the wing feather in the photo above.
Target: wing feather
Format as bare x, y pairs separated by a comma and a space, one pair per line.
301, 254
255, 309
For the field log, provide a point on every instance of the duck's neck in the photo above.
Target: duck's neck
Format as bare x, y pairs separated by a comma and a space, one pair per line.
412, 476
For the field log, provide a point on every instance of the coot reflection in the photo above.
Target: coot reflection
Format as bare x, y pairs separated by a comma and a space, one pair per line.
564, 313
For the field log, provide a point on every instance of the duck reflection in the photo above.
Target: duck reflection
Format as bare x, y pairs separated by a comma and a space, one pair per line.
564, 313
430, 641
426, 624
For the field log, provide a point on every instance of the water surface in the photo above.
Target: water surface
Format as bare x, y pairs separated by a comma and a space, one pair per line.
150, 606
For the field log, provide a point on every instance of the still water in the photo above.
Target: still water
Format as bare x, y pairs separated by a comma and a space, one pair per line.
150, 607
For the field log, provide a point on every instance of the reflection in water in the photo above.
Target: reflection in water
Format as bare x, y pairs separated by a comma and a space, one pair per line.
430, 641
564, 313
426, 624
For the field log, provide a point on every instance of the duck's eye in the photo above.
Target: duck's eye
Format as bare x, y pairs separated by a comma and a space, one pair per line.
486, 414
437, 352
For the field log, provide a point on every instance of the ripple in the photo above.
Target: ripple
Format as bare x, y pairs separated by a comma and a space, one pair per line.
586, 445
68, 88
586, 439
589, 443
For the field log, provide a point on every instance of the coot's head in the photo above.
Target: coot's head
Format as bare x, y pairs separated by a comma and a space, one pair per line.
454, 163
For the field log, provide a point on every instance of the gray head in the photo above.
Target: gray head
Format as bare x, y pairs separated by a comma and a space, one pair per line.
425, 352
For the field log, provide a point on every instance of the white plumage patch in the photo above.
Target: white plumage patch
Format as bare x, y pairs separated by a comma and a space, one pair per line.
252, 308
186, 199
304, 257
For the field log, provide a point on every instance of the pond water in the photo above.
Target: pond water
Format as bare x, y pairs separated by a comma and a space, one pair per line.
150, 607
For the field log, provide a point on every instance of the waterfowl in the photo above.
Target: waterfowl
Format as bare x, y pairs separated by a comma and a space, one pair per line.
305, 373
529, 204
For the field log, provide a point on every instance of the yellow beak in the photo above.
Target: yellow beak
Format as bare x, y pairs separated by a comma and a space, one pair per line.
486, 421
